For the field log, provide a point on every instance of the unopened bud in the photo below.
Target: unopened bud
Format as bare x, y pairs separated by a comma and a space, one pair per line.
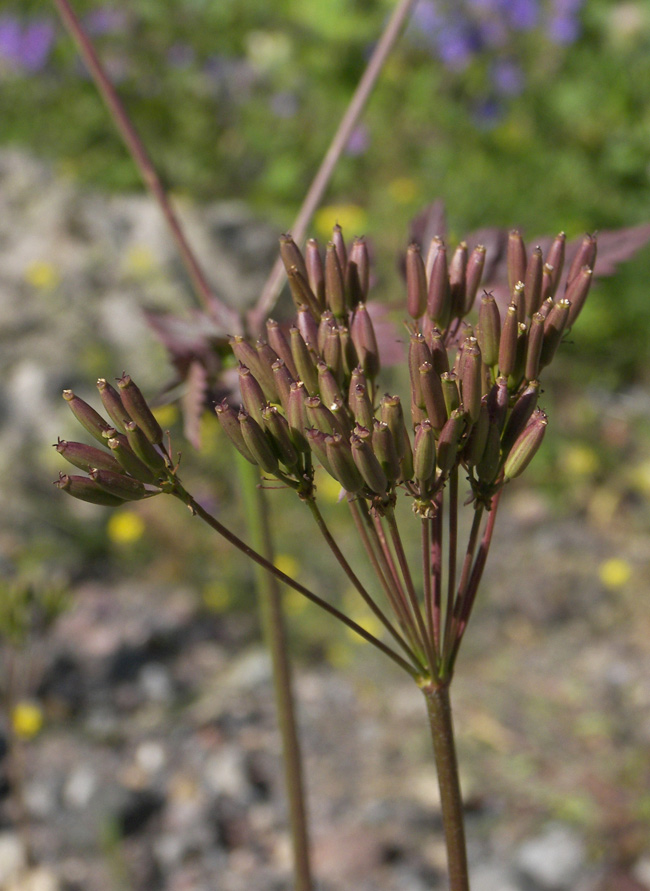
457, 280
316, 440
86, 489
577, 293
432, 396
139, 411
424, 454
247, 355
477, 439
334, 285
327, 385
339, 243
342, 465
516, 256
439, 298
419, 354
277, 428
308, 327
283, 381
326, 325
89, 419
519, 300
362, 333
280, 344
533, 282
227, 417
333, 354
585, 256
267, 356
439, 357
450, 392
554, 328
416, 282
534, 348
125, 487
304, 361
385, 449
520, 415
361, 407
258, 443
315, 274
357, 274
497, 403
526, 446
555, 260
296, 415
448, 441
489, 330
471, 369
488, 467
319, 416
292, 256
252, 394
113, 404
86, 457
129, 462
474, 274
508, 342
368, 465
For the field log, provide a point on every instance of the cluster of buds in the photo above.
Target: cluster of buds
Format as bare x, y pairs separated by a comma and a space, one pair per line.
309, 395
133, 463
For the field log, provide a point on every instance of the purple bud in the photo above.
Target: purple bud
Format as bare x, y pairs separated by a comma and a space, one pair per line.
304, 361
326, 325
302, 294
526, 446
118, 485
585, 256
357, 273
277, 428
296, 416
362, 333
247, 355
267, 356
315, 273
577, 293
477, 439
533, 282
474, 274
361, 407
489, 330
416, 283
292, 256
319, 416
419, 353
516, 259
508, 342
229, 422
89, 419
439, 357
432, 396
520, 415
554, 327
457, 280
385, 449
308, 327
334, 286
471, 379
280, 344
113, 404
434, 246
555, 259
129, 462
488, 467
86, 490
450, 392
327, 385
283, 381
316, 440
448, 441
439, 298
86, 457
368, 465
534, 348
341, 463
333, 354
251, 393
258, 443
339, 243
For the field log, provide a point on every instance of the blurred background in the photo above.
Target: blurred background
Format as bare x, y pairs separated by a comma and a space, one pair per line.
136, 695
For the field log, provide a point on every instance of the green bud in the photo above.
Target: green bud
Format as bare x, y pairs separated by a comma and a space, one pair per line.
304, 362
526, 446
416, 282
534, 348
296, 415
520, 415
361, 407
477, 438
128, 461
554, 328
516, 256
227, 417
342, 466
448, 441
327, 385
368, 465
326, 325
125, 487
334, 286
424, 454
497, 403
252, 394
86, 457
393, 416
319, 416
113, 404
142, 449
292, 256
357, 273
439, 297
258, 443
277, 428
488, 467
302, 294
432, 395
86, 490
89, 419
471, 371
508, 342
316, 440
283, 381
384, 448
332, 355
489, 330
419, 354
315, 274
450, 391
268, 357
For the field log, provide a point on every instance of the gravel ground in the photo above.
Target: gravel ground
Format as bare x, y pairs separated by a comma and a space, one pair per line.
158, 764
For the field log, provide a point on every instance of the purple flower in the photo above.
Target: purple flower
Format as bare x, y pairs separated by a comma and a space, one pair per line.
522, 15
563, 29
507, 77
457, 43
27, 47
358, 142
426, 18
10, 40
487, 114
105, 20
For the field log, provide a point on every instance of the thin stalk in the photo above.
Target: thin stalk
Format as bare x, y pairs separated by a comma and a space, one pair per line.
274, 629
390, 563
451, 567
469, 557
183, 495
217, 309
341, 138
437, 529
427, 643
451, 802
427, 581
354, 579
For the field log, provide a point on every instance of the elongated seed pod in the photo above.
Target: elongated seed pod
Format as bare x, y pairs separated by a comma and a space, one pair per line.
341, 462
252, 394
439, 297
489, 330
316, 440
326, 325
555, 259
533, 282
368, 465
304, 361
439, 357
457, 280
327, 385
519, 416
333, 354
516, 258
125, 487
362, 333
526, 446
267, 357
471, 379
292, 256
383, 445
474, 274
554, 328
258, 443
334, 284
450, 391
432, 396
508, 342
448, 441
315, 273
89, 419
357, 274
577, 293
361, 407
534, 348
301, 293
129, 462
424, 455
477, 438
308, 327
280, 344
339, 243
419, 353
277, 429
86, 489
548, 286
519, 300
296, 415
585, 256
319, 416
283, 381
229, 422
86, 457
416, 282
247, 355
113, 404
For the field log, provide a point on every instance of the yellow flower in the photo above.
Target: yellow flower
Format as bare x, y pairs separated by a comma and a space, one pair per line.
294, 603
580, 460
614, 573
217, 597
125, 527
42, 275
140, 261
352, 219
287, 564
403, 190
26, 719
166, 415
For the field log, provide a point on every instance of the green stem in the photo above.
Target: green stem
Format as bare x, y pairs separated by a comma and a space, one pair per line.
177, 490
451, 565
274, 629
451, 802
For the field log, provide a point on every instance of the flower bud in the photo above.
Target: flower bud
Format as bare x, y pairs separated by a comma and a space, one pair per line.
384, 448
252, 394
439, 298
508, 342
488, 467
424, 454
267, 357
118, 485
416, 282
86, 457
315, 274
296, 415
327, 385
555, 260
519, 300
334, 286
477, 438
258, 443
439, 358
86, 490
283, 381
497, 403
534, 348
326, 325
516, 255
361, 407
362, 333
577, 293
489, 330
471, 370
526, 446
520, 415
393, 416
457, 280
319, 416
533, 282
129, 462
520, 356
434, 246
554, 328
227, 417
277, 428
307, 327
419, 354
585, 256
89, 419
349, 357
280, 344
448, 441
333, 354
474, 274
301, 293
548, 284
432, 396
451, 395
368, 465
247, 355
139, 411
339, 243
342, 466
292, 256
357, 274
316, 440
304, 361
113, 404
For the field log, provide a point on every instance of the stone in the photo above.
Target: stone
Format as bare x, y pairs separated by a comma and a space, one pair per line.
552, 861
13, 857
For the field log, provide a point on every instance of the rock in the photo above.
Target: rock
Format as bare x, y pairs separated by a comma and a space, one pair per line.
13, 857
493, 877
553, 860
224, 772
155, 683
40, 879
641, 871
80, 787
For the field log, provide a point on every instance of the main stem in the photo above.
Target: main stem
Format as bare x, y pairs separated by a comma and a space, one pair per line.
451, 802
274, 630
